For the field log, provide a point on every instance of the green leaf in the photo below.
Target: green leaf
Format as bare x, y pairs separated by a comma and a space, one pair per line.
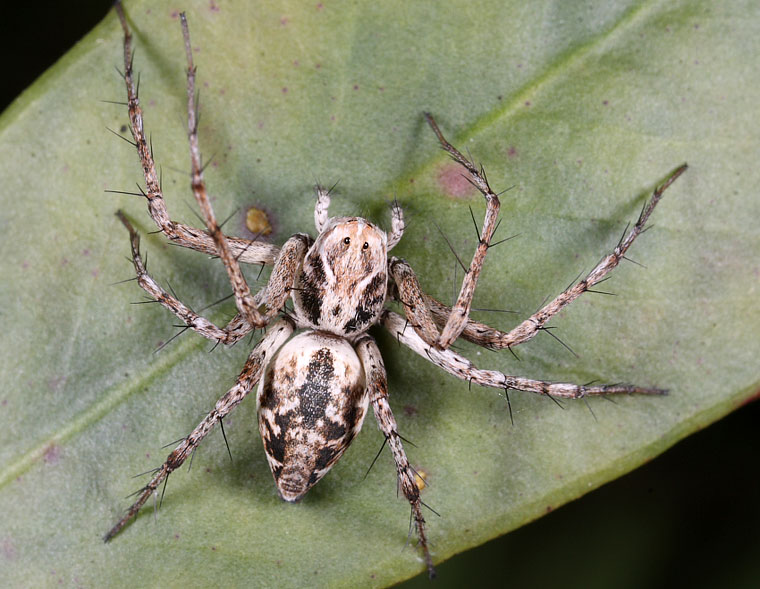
582, 110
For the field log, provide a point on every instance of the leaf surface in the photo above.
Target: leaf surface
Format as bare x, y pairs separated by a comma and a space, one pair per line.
581, 110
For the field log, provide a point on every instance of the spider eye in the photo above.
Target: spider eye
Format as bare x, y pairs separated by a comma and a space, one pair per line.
365, 246
346, 240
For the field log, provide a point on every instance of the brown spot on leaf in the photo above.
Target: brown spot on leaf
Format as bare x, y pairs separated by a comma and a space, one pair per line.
410, 410
52, 454
9, 549
451, 178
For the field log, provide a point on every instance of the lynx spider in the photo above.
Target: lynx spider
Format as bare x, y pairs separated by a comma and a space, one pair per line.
314, 389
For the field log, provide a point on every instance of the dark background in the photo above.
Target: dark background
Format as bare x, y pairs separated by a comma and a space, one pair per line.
690, 517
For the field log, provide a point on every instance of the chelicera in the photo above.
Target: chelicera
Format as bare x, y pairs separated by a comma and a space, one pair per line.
315, 387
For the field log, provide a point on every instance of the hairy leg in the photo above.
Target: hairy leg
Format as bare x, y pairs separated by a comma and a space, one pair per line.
249, 377
377, 388
461, 367
416, 303
243, 298
251, 252
457, 319
272, 296
227, 335
494, 339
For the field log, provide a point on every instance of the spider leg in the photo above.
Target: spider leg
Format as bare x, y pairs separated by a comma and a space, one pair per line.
243, 298
415, 302
488, 337
249, 377
377, 389
462, 368
228, 335
272, 296
252, 252
457, 319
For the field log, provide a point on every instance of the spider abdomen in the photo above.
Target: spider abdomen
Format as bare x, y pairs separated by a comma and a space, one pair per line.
312, 403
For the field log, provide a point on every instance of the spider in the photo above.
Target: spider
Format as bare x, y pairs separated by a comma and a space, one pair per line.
315, 387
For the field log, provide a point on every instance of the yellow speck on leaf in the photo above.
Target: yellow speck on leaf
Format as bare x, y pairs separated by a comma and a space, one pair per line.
257, 221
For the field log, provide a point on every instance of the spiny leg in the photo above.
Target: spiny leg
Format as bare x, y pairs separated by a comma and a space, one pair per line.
489, 337
415, 302
283, 277
462, 368
243, 297
249, 377
251, 252
272, 296
277, 290
457, 319
228, 335
377, 389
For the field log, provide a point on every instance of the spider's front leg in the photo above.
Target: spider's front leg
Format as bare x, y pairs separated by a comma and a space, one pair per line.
249, 377
457, 319
272, 297
494, 339
244, 300
377, 389
244, 250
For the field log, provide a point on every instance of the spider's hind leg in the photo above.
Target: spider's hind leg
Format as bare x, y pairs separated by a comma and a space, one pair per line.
377, 388
249, 377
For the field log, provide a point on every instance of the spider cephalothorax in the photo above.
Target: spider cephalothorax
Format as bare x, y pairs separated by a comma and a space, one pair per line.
315, 388
342, 285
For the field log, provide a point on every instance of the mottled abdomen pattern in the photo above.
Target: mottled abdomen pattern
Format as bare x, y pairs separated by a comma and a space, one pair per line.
312, 403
